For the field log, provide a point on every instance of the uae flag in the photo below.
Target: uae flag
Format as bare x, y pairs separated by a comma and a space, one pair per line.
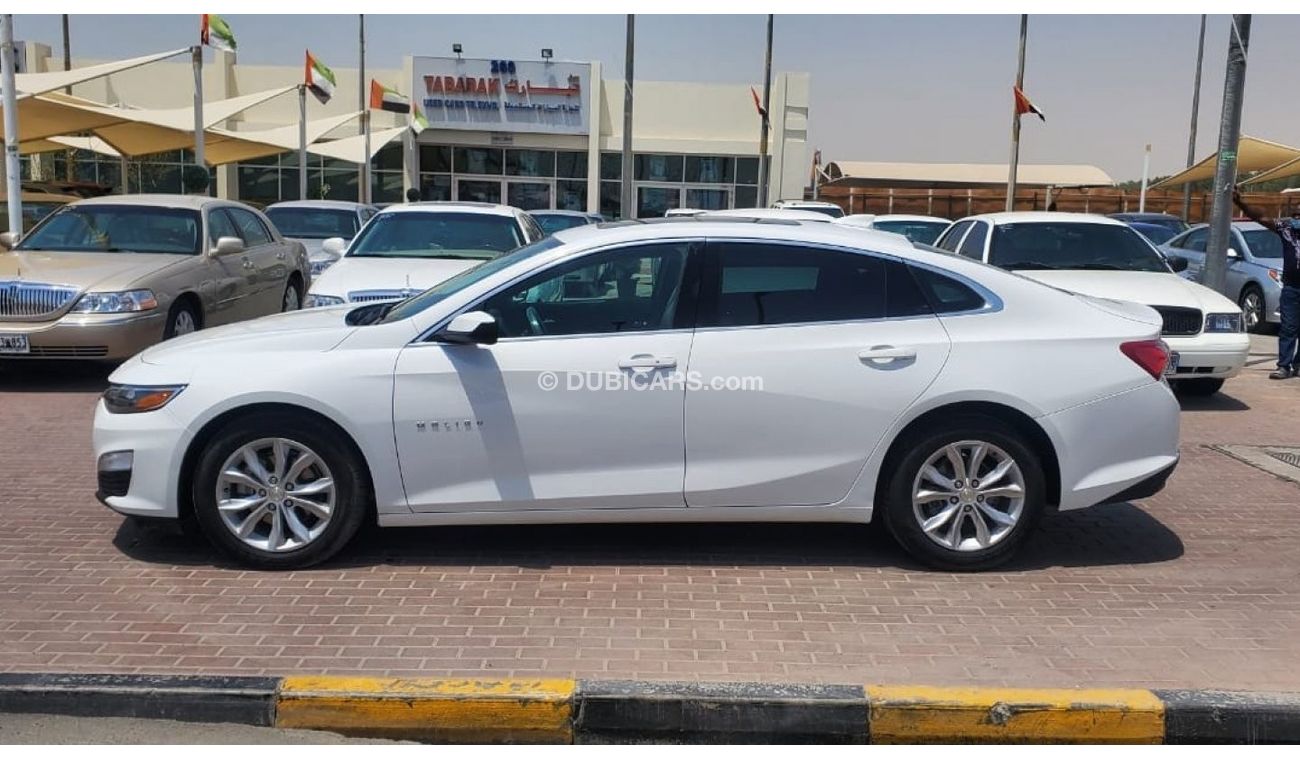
1024, 106
384, 99
320, 79
215, 32
418, 122
758, 105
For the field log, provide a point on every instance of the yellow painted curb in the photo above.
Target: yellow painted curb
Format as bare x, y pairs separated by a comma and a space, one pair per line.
912, 714
449, 710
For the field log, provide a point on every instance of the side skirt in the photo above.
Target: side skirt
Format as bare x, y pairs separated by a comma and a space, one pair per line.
682, 515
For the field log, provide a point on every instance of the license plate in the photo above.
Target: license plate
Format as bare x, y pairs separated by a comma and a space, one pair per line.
14, 344
1172, 367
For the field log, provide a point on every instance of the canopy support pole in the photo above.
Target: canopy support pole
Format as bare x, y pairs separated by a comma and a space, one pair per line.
196, 57
13, 170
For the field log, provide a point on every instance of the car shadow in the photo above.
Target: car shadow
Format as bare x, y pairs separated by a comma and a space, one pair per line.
36, 376
1219, 402
1117, 534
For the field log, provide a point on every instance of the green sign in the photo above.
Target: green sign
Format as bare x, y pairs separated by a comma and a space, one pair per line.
1228, 155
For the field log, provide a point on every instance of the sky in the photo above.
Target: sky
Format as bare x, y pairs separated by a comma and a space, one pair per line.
884, 88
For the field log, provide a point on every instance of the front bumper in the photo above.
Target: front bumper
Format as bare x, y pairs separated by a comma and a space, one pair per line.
155, 442
1209, 355
88, 336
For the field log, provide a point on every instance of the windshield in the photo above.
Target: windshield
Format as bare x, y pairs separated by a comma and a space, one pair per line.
314, 223
917, 232
556, 222
1072, 245
1264, 244
117, 229
418, 303
1156, 233
437, 235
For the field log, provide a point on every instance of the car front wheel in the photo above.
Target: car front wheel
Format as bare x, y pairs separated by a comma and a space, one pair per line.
964, 495
279, 492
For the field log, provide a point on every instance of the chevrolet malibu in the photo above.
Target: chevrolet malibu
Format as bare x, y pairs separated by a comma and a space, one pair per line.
685, 370
104, 278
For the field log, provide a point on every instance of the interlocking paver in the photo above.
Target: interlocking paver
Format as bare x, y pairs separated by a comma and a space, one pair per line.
1197, 587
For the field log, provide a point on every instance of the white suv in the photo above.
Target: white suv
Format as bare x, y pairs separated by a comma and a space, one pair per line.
1103, 257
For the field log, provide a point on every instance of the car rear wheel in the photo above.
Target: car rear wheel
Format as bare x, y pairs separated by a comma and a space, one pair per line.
182, 319
278, 492
1252, 308
292, 300
964, 495
1201, 386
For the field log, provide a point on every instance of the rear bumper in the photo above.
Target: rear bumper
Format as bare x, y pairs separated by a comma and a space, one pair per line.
1143, 489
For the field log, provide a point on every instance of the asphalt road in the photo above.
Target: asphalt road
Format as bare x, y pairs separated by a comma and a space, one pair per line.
63, 729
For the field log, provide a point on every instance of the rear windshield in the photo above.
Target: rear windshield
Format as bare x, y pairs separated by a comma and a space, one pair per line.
1072, 245
314, 223
117, 229
437, 235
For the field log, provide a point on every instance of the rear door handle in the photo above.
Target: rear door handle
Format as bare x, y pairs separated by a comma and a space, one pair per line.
648, 361
887, 354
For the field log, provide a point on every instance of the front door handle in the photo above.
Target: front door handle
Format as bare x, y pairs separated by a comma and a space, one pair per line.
247, 263
648, 361
887, 354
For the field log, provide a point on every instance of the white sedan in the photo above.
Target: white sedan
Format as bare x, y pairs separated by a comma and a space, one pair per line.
681, 370
1103, 257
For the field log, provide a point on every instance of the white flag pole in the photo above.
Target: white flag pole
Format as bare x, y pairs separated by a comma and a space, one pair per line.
302, 142
196, 53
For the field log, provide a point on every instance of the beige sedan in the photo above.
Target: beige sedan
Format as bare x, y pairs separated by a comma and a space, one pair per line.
105, 278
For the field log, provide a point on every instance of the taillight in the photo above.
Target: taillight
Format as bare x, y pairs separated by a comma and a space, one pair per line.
1150, 355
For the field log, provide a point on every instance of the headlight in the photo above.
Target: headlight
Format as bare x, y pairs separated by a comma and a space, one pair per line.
1275, 275
320, 266
1223, 323
115, 303
132, 399
313, 300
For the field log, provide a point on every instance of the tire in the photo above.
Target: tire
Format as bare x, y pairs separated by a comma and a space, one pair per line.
182, 319
921, 447
292, 298
314, 538
1252, 305
1200, 386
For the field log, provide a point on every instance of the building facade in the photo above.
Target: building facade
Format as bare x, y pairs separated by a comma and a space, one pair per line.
535, 134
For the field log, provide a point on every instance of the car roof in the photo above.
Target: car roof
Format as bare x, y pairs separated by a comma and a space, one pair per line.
563, 212
1138, 216
460, 207
789, 213
797, 203
346, 205
1024, 217
1237, 224
908, 218
164, 200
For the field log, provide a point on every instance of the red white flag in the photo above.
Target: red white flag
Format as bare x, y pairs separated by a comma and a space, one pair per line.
1024, 106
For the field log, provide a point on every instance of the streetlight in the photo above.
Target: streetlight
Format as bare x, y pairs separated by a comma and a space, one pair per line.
547, 54
456, 48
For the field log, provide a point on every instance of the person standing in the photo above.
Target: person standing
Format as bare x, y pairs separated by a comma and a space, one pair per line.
1289, 306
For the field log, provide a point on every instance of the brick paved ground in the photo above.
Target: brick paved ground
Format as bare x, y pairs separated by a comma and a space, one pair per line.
1199, 586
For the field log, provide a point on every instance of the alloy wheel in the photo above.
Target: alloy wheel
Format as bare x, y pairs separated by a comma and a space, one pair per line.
968, 496
183, 323
275, 494
291, 300
1253, 307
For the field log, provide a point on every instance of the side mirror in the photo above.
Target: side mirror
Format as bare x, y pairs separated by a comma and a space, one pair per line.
228, 245
334, 246
8, 240
1232, 253
1176, 263
472, 327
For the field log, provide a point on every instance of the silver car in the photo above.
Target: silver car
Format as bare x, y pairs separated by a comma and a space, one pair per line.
313, 223
1254, 268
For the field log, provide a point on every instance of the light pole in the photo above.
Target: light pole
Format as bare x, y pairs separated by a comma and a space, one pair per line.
764, 166
1196, 108
627, 201
1214, 275
1015, 118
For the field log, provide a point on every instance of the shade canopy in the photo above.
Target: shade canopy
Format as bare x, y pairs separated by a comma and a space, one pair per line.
229, 147
58, 114
921, 175
37, 83
1253, 155
354, 148
1289, 169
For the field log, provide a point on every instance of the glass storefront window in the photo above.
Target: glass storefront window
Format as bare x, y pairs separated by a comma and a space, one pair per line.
528, 196
437, 158
478, 161
388, 158
713, 170
611, 204
530, 163
746, 196
435, 187
658, 168
385, 187
478, 191
571, 195
571, 164
747, 170
611, 166
707, 199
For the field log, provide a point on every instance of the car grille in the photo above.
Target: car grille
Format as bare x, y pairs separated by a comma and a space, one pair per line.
1179, 320
67, 352
362, 296
33, 299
